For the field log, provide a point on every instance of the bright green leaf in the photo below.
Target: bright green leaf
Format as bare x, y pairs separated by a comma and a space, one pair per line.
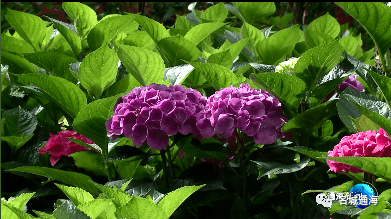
119, 197
315, 38
216, 13
326, 24
98, 70
95, 207
200, 32
352, 46
69, 32
75, 194
14, 45
363, 123
177, 48
255, 11
21, 201
82, 15
90, 161
20, 62
155, 29
253, 33
62, 92
140, 208
30, 27
219, 76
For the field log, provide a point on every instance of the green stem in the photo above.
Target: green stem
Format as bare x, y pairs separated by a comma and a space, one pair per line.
165, 173
170, 163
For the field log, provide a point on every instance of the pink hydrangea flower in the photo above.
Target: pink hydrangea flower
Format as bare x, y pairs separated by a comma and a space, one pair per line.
58, 145
362, 144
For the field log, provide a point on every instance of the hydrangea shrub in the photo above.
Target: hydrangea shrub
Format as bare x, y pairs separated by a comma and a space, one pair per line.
59, 145
149, 114
255, 112
362, 144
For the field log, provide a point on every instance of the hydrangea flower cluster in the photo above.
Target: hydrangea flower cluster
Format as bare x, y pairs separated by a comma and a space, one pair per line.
255, 112
349, 82
153, 112
362, 144
58, 145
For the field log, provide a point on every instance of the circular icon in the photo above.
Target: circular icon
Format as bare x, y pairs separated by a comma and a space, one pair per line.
363, 193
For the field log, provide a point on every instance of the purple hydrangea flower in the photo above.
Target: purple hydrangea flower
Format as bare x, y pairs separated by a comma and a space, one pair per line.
349, 82
152, 113
255, 112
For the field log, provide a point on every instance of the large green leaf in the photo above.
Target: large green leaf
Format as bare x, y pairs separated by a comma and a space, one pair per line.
53, 62
72, 178
217, 75
177, 74
375, 17
253, 33
16, 63
287, 88
384, 84
82, 15
316, 62
75, 194
171, 201
30, 27
14, 45
325, 24
69, 32
146, 66
275, 47
21, 201
65, 209
312, 118
141, 208
216, 13
124, 85
155, 29
200, 32
108, 29
379, 166
90, 161
119, 197
363, 123
62, 92
140, 39
352, 45
310, 153
90, 121
255, 11
19, 122
98, 70
178, 49
10, 212
319, 92
95, 207
315, 38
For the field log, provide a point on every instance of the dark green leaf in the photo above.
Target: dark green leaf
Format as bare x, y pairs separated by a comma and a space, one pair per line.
19, 122
254, 11
16, 63
67, 210
384, 84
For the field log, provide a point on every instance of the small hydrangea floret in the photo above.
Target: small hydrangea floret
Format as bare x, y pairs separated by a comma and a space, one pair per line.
255, 112
149, 114
362, 144
59, 145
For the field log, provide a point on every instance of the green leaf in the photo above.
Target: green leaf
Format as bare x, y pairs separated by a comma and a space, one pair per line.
17, 64
380, 120
44, 215
119, 197
217, 75
72, 178
62, 92
19, 122
16, 142
177, 74
128, 168
140, 39
48, 36
177, 48
69, 32
21, 201
146, 66
316, 155
275, 47
14, 45
10, 212
379, 166
320, 92
200, 32
30, 27
316, 62
326, 24
255, 11
171, 201
315, 38
363, 123
216, 13
75, 194
375, 17
108, 29
67, 210
155, 29
90, 121
352, 46
207, 151
281, 21
384, 84
82, 15
140, 208
124, 85
95, 207
287, 88
90, 161
312, 118
84, 144
253, 33
53, 62
98, 70
182, 23
221, 58
59, 44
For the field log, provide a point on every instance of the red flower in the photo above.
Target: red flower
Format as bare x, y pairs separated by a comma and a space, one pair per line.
58, 145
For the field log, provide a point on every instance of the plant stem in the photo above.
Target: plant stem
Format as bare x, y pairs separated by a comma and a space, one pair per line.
243, 169
170, 163
165, 173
